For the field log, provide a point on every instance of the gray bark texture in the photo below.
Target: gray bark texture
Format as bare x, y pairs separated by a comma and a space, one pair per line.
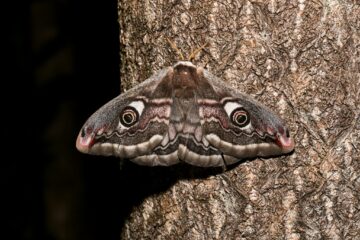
301, 59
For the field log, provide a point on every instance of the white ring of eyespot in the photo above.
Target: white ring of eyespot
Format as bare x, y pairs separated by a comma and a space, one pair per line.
138, 105
230, 106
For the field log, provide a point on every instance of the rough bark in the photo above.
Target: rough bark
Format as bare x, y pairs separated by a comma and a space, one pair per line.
301, 58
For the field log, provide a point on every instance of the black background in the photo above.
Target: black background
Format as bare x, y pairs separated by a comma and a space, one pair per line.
61, 64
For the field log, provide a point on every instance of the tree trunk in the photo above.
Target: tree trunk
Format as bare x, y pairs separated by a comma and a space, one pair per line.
302, 59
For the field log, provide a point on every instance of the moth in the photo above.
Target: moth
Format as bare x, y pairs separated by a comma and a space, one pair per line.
184, 113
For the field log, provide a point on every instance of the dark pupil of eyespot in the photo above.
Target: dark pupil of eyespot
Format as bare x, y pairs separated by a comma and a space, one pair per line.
241, 118
128, 118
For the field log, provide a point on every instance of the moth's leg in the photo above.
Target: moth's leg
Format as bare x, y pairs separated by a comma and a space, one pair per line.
224, 166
